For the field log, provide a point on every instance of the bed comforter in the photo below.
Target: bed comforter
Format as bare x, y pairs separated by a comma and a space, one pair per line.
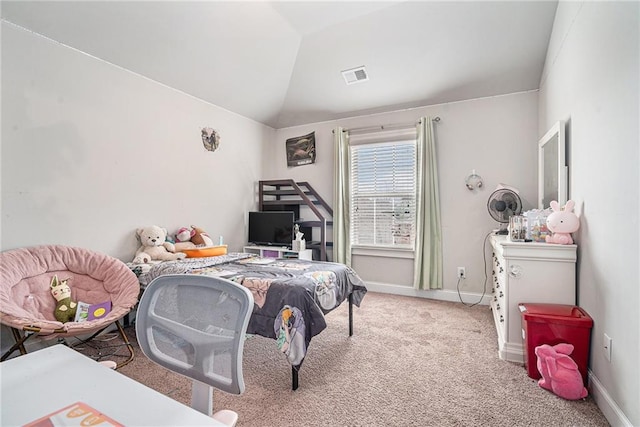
291, 296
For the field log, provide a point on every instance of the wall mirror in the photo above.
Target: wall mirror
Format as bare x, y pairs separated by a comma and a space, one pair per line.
552, 169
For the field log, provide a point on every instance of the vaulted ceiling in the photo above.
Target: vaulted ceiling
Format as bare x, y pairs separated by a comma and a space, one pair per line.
280, 63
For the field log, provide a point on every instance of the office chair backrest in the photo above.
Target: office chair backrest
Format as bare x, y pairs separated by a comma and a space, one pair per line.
195, 326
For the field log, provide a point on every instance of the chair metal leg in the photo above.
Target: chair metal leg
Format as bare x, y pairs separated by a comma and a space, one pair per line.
125, 342
19, 345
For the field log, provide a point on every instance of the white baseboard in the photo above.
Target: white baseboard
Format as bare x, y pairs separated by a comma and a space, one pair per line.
438, 294
607, 405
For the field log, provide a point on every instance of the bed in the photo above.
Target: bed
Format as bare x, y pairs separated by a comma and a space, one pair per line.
291, 295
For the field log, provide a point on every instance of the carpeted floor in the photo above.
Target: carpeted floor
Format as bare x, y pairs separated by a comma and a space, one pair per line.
410, 362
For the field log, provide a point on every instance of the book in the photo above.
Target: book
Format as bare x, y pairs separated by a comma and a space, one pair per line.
76, 415
86, 311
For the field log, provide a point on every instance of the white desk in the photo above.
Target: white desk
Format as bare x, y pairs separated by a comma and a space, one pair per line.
39, 383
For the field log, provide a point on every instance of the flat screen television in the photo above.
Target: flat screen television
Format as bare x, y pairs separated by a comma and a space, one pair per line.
294, 208
271, 228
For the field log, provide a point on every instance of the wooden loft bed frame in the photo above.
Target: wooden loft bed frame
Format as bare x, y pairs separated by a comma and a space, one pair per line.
287, 192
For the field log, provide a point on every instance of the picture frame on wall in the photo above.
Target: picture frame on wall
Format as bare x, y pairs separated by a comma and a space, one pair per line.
301, 150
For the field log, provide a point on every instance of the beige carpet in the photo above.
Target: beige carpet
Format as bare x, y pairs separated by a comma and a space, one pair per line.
410, 362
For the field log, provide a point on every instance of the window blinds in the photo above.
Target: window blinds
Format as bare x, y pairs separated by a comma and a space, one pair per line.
383, 194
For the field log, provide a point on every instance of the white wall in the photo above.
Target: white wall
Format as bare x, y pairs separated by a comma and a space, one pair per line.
495, 136
591, 80
91, 151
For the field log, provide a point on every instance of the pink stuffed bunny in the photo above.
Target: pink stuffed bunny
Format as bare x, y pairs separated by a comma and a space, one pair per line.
562, 222
560, 373
185, 234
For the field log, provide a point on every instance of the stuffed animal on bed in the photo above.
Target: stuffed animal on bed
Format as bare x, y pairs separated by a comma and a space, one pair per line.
154, 246
184, 234
65, 308
183, 239
200, 237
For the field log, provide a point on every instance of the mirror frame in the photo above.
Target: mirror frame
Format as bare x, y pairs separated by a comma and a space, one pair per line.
556, 133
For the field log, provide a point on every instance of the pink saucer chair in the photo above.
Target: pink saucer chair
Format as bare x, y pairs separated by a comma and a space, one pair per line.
27, 305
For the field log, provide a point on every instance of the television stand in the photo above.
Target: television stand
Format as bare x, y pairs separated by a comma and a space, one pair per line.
279, 252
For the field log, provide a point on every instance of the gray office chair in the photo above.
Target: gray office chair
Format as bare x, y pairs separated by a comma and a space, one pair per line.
195, 326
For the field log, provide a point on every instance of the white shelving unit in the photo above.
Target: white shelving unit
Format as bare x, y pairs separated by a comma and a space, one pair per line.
279, 252
527, 273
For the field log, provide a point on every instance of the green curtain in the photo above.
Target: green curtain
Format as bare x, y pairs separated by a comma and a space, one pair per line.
341, 206
427, 272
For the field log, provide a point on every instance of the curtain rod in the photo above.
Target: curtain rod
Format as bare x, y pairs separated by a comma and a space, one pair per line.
383, 127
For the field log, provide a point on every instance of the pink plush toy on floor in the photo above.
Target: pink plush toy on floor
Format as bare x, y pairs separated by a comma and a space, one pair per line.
562, 222
560, 373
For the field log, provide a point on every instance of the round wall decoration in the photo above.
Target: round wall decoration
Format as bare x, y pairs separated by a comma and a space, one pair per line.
210, 138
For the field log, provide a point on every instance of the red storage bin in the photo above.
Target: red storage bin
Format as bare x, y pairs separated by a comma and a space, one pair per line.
554, 324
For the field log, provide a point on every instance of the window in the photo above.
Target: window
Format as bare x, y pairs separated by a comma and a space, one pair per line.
383, 194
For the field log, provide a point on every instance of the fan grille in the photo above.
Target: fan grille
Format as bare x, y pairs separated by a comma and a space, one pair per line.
503, 204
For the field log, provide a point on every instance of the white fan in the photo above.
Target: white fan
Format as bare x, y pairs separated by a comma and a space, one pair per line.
503, 203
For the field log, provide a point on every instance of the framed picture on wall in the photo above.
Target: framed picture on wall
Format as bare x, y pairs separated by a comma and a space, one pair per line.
301, 150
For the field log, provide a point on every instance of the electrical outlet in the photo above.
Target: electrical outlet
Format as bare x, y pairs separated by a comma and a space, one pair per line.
607, 347
462, 274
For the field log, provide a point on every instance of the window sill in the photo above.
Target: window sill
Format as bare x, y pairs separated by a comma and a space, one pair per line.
383, 252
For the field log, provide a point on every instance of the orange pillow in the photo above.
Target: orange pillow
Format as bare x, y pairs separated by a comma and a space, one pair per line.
206, 251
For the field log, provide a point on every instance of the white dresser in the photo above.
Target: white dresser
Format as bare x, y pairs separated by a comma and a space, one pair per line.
527, 272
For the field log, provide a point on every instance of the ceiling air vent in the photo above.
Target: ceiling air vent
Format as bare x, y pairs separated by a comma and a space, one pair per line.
355, 75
